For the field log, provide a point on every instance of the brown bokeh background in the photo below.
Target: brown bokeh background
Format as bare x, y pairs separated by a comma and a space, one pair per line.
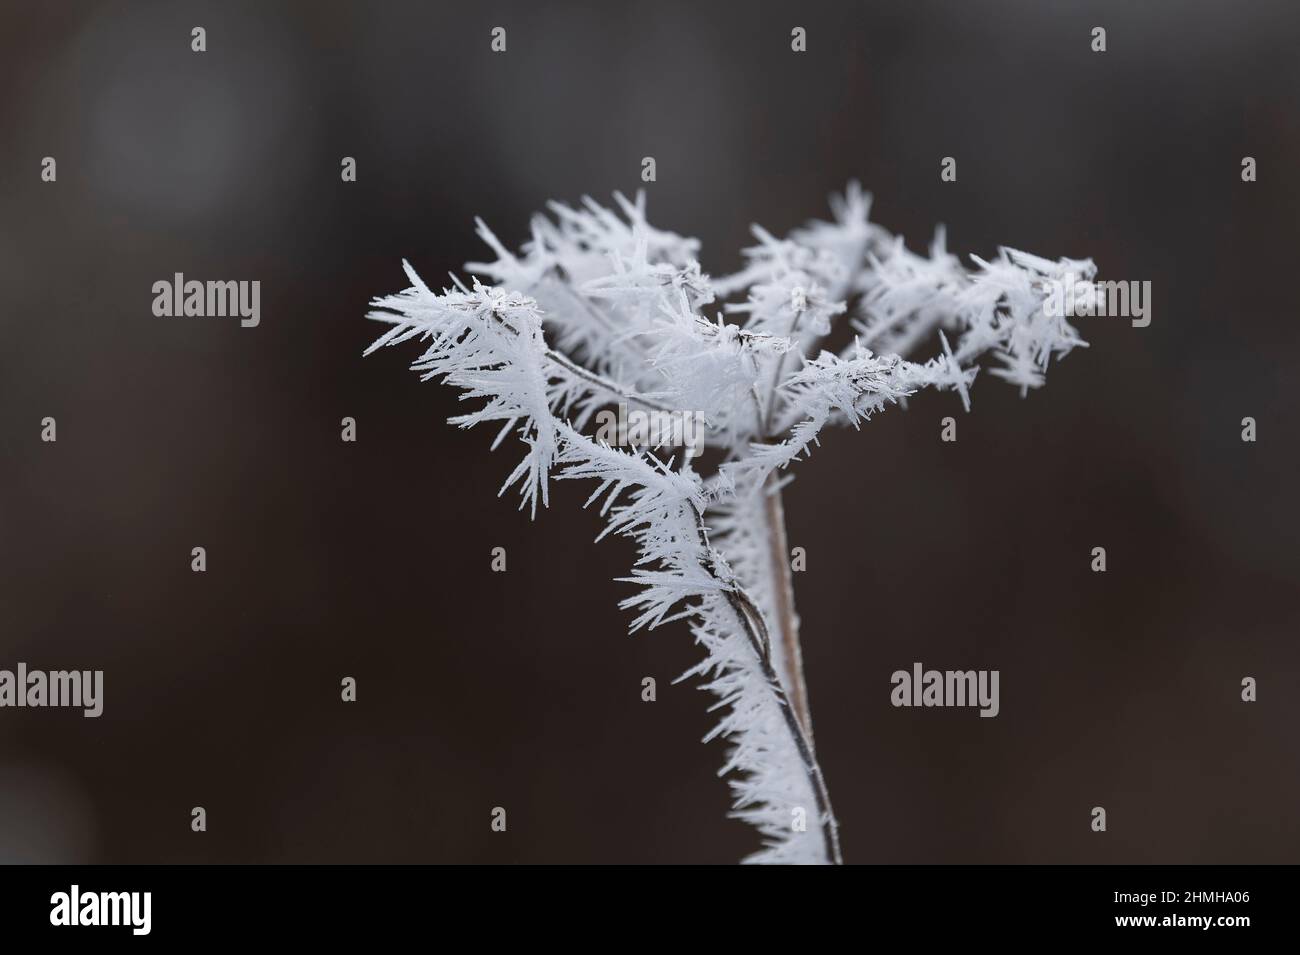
522, 689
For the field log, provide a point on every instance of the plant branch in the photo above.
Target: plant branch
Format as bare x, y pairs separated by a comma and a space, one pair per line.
601, 382
787, 621
595, 379
751, 621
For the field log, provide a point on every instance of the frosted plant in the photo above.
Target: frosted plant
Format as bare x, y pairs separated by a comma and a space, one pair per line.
599, 309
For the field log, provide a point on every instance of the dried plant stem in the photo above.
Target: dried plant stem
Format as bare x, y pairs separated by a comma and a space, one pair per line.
635, 331
787, 621
751, 622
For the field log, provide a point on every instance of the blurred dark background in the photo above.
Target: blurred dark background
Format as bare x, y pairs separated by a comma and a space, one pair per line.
522, 689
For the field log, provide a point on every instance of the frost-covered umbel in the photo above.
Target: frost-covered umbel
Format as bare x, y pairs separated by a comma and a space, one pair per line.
600, 308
